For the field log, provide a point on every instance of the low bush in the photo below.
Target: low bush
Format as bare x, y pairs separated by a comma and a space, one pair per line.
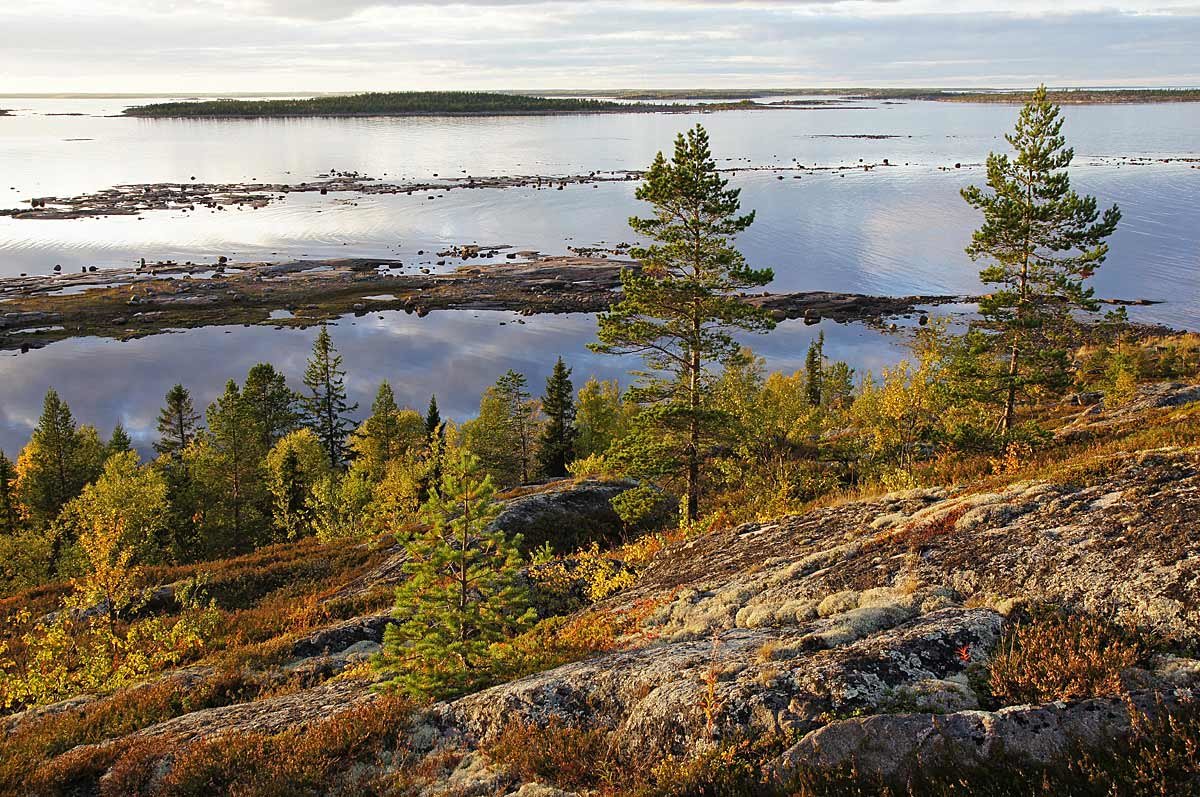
1056, 657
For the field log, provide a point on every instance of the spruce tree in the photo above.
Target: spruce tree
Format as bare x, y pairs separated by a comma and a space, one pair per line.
8, 496
233, 475
678, 310
463, 592
435, 440
433, 419
270, 404
383, 425
119, 442
177, 422
327, 412
1040, 241
55, 475
814, 370
557, 448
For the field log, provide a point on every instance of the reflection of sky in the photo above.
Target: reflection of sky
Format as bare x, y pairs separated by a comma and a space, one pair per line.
453, 354
896, 230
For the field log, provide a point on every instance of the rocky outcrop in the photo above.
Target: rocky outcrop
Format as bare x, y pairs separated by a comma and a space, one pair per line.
667, 697
571, 516
896, 747
1120, 542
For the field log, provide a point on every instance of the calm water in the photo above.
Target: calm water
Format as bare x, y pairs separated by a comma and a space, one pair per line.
892, 230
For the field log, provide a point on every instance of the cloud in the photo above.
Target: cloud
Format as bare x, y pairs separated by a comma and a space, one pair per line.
268, 45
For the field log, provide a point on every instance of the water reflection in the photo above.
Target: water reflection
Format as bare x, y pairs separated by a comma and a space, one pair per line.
453, 354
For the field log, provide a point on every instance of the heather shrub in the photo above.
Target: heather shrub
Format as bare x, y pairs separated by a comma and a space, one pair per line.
1060, 658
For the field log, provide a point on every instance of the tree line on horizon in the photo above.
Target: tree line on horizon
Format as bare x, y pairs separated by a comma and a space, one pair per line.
379, 103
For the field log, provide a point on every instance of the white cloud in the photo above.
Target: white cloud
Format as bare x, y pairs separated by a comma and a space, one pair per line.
279, 45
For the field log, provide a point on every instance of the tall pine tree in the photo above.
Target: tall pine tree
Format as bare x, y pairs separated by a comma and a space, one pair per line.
557, 445
177, 422
678, 310
327, 412
463, 592
1040, 242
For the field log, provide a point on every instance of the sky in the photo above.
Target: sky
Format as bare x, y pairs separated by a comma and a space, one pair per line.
194, 46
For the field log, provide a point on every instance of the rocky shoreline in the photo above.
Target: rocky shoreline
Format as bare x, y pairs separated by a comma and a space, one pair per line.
146, 300
194, 196
168, 296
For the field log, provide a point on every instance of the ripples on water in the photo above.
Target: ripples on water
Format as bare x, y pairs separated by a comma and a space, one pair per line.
893, 230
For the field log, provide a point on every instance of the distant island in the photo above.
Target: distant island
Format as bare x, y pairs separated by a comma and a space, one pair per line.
406, 103
475, 103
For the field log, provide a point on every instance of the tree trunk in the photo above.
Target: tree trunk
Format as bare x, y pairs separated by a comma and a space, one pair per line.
693, 448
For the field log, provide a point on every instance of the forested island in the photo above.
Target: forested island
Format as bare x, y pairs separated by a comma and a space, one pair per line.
973, 572
397, 103
478, 103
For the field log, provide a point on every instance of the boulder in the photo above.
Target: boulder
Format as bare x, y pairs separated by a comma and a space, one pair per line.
570, 516
895, 747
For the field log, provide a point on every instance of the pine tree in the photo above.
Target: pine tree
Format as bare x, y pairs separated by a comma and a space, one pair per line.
270, 404
119, 442
177, 422
463, 592
326, 407
8, 496
1040, 242
814, 370
557, 448
514, 391
678, 310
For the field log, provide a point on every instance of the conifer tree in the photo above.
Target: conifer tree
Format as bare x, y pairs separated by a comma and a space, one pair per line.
433, 419
54, 467
386, 435
294, 467
8, 496
677, 311
270, 404
58, 461
327, 411
1040, 242
177, 422
435, 440
814, 370
232, 471
557, 447
463, 592
119, 442
522, 411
